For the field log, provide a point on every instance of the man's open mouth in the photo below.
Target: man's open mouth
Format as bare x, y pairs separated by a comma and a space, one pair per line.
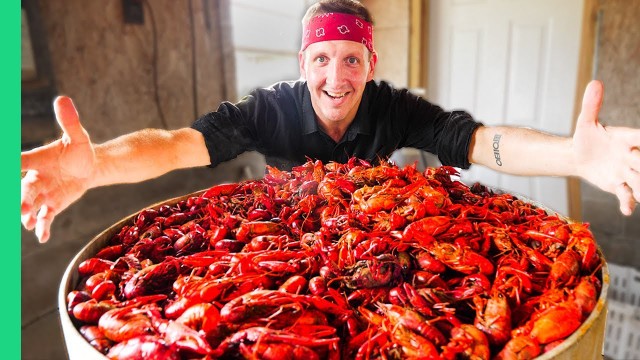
335, 95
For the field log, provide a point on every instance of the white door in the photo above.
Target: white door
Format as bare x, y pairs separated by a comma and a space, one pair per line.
508, 62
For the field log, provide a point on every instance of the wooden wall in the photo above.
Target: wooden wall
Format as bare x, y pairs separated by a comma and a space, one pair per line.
617, 64
114, 70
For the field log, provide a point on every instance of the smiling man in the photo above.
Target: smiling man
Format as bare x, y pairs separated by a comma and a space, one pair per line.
335, 111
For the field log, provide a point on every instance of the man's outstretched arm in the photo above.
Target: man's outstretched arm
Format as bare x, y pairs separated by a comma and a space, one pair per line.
59, 173
606, 156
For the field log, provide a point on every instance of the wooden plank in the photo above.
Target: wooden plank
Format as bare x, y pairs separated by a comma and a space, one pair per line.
585, 73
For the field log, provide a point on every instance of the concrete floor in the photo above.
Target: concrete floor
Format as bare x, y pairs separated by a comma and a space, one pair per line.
44, 264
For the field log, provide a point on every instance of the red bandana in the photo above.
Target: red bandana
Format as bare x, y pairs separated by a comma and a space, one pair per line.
337, 26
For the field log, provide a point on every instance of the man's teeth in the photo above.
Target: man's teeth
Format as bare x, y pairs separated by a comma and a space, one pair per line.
336, 95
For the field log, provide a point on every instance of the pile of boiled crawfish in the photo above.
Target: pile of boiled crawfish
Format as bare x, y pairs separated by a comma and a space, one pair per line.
339, 261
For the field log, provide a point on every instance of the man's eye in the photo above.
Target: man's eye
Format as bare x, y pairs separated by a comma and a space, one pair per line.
321, 59
352, 60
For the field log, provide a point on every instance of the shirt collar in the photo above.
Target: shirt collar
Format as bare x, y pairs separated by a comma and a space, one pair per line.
360, 125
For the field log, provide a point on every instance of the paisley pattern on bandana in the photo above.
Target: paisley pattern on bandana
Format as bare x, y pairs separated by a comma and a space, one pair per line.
337, 26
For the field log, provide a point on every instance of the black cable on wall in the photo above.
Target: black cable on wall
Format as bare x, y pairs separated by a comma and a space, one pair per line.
155, 65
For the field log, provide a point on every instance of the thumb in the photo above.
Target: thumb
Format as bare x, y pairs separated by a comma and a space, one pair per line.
591, 103
69, 120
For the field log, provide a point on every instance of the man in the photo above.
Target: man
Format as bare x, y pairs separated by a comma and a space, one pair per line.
336, 111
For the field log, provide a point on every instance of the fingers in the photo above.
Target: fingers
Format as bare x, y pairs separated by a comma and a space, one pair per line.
69, 120
632, 179
43, 223
633, 160
30, 188
34, 210
591, 103
38, 158
626, 135
625, 195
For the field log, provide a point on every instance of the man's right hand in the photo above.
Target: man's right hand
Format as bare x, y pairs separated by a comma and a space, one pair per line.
58, 173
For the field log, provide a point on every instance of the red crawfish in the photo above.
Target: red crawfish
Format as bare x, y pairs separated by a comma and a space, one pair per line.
493, 317
429, 263
582, 241
384, 270
586, 294
90, 311
247, 230
219, 190
93, 266
382, 197
461, 258
278, 342
125, 323
96, 338
147, 347
411, 343
413, 321
175, 332
468, 341
519, 348
335, 189
374, 175
565, 270
425, 230
553, 323
153, 279
470, 286
111, 252
259, 303
76, 297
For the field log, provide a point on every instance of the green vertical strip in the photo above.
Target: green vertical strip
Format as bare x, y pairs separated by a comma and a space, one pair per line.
10, 105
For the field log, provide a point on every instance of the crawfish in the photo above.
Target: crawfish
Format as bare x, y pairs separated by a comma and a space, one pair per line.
191, 242
469, 341
412, 344
374, 175
93, 266
582, 241
202, 316
263, 335
493, 317
256, 303
553, 323
461, 258
565, 270
429, 263
146, 347
275, 351
470, 286
156, 278
174, 332
519, 348
334, 189
156, 249
384, 270
125, 323
425, 230
382, 197
96, 338
413, 321
586, 294
247, 230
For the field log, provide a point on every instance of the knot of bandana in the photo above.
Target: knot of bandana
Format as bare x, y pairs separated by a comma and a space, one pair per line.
337, 26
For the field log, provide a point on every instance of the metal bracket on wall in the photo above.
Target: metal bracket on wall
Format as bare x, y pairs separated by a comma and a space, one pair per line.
133, 12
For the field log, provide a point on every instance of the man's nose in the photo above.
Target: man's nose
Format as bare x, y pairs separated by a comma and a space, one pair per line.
336, 73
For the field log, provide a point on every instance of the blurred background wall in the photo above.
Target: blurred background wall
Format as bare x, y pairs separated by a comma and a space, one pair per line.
183, 58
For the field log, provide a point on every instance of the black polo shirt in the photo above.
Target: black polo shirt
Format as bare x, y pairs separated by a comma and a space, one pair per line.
280, 123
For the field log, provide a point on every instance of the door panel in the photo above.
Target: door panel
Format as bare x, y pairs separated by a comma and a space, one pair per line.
508, 63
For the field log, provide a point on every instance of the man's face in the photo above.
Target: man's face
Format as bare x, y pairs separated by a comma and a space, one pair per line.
336, 73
